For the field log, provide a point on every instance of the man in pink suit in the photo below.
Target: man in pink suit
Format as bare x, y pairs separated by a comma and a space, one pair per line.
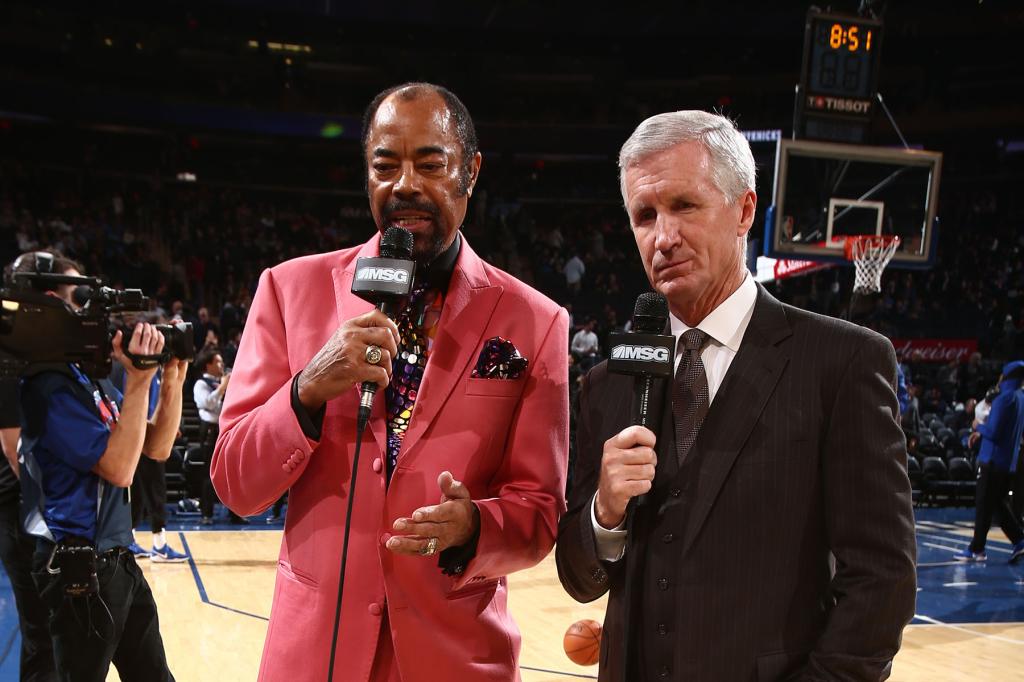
465, 453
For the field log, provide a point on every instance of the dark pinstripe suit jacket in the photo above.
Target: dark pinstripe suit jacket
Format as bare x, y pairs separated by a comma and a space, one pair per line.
785, 548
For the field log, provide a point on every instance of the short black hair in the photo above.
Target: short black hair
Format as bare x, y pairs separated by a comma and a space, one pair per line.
205, 358
464, 128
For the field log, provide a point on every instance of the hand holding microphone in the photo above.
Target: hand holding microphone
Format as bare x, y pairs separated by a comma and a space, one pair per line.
628, 462
361, 349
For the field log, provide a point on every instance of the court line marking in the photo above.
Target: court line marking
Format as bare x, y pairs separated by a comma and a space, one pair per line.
933, 621
988, 545
961, 584
202, 588
935, 564
948, 549
557, 672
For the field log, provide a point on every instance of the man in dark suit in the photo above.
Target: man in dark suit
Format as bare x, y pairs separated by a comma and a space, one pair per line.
774, 538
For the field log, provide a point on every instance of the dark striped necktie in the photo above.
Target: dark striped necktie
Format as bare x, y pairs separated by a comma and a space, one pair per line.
690, 397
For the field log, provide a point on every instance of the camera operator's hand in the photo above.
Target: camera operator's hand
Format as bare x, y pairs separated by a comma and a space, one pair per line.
342, 363
145, 341
175, 371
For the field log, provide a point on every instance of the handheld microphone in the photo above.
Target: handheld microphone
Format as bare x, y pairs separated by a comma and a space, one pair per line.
387, 282
646, 353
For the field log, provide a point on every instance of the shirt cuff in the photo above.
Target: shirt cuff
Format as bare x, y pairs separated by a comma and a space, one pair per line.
611, 544
311, 425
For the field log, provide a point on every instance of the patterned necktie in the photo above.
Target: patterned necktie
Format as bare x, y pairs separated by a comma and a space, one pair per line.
417, 327
690, 397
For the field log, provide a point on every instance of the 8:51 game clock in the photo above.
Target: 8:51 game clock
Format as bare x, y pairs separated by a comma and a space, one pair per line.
840, 68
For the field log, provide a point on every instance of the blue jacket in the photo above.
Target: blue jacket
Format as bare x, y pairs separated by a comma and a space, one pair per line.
1001, 432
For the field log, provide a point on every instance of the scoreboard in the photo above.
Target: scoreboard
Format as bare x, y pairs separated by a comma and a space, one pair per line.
839, 77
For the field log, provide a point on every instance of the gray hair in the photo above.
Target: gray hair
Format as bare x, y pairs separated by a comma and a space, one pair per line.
732, 164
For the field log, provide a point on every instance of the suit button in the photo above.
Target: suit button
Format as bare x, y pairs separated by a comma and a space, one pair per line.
377, 465
662, 630
663, 583
375, 609
667, 538
675, 492
286, 467
664, 672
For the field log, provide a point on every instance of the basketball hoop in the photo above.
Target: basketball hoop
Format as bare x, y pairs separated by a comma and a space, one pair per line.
870, 254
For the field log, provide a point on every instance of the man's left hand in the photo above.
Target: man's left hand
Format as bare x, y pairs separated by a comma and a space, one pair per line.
175, 371
453, 522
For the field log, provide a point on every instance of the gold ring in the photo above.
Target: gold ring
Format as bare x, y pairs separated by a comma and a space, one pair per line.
430, 548
373, 354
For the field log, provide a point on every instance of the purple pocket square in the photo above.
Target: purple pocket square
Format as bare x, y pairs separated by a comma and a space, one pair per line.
500, 359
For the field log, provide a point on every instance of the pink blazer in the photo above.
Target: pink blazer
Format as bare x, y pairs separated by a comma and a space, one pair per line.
507, 440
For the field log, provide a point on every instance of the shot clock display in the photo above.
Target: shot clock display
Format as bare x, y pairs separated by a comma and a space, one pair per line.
842, 59
841, 56
840, 75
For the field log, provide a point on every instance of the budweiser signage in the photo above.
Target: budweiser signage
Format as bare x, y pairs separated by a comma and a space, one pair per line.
934, 350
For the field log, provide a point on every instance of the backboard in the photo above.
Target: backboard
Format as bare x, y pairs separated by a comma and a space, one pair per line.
825, 192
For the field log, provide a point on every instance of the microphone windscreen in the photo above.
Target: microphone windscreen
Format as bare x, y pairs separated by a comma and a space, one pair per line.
81, 294
650, 314
396, 243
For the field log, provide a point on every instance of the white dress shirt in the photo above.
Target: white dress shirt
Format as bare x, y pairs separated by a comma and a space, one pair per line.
208, 400
725, 327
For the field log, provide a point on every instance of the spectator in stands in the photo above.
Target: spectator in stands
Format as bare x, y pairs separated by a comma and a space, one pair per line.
1000, 436
208, 393
203, 326
574, 269
230, 350
585, 345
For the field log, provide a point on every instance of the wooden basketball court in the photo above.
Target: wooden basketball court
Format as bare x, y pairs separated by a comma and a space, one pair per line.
213, 611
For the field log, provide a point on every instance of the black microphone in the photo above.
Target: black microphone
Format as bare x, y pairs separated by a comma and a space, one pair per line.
387, 282
646, 353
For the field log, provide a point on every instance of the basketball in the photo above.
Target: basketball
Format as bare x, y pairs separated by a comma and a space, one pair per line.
582, 642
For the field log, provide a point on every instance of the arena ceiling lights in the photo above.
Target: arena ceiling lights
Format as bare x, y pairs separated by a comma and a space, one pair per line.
281, 47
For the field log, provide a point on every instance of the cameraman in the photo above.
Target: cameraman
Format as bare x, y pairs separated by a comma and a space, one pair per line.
81, 443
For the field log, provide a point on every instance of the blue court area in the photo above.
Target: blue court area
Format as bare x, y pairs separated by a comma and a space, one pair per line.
948, 591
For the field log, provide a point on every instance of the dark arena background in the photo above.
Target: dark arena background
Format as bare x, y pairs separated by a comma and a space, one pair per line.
182, 148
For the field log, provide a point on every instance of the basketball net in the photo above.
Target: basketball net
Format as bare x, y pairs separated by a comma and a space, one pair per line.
870, 254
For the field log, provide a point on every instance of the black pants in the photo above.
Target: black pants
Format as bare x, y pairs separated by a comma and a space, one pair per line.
118, 625
1018, 491
990, 498
208, 496
207, 440
16, 549
149, 493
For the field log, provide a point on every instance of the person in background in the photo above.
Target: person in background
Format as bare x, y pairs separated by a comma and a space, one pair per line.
36, 663
208, 393
998, 461
149, 487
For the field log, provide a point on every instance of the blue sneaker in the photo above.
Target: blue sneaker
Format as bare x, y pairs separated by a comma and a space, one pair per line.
1018, 552
167, 555
972, 557
139, 553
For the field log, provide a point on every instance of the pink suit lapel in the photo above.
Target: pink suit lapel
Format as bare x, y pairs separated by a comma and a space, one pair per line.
350, 306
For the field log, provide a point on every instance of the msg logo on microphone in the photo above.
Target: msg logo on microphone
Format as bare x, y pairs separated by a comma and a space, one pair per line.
642, 353
370, 274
